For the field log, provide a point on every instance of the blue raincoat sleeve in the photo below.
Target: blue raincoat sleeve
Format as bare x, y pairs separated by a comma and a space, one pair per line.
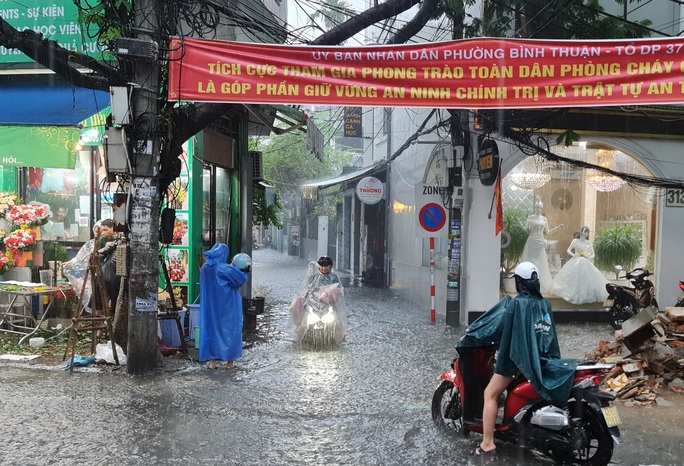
220, 307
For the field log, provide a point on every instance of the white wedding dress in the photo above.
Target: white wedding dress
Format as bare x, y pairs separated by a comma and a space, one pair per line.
535, 250
579, 281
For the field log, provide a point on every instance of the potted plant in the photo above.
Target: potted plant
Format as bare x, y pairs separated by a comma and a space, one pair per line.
620, 245
513, 239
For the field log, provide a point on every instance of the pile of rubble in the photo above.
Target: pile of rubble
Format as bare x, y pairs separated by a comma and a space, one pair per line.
648, 357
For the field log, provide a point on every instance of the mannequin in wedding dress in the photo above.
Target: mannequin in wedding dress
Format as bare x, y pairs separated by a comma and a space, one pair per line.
535, 247
579, 281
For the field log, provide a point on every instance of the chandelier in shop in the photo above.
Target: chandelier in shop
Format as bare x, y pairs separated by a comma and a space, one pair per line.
604, 182
533, 175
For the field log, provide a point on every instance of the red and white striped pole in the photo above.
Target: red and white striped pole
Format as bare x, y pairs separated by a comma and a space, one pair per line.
432, 279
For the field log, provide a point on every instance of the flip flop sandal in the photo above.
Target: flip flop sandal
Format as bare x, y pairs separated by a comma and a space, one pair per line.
487, 454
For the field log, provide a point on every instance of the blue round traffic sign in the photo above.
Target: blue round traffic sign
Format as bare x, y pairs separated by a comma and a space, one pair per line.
432, 217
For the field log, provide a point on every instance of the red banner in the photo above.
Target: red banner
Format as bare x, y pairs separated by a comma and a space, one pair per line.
472, 73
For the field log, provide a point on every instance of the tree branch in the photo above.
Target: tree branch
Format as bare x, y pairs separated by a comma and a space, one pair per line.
367, 18
418, 22
50, 54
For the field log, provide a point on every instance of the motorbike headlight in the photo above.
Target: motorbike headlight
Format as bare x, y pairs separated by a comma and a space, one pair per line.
312, 318
328, 318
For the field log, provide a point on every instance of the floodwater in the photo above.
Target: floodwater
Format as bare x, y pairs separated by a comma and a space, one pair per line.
364, 403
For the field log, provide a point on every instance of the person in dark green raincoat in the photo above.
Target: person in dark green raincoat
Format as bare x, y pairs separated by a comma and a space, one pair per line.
525, 332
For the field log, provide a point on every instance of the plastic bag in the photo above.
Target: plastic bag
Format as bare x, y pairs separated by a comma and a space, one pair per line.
103, 351
76, 269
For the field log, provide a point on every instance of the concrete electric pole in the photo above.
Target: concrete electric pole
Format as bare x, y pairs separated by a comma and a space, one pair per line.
143, 274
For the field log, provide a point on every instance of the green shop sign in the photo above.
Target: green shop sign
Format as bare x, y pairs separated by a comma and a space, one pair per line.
39, 146
58, 21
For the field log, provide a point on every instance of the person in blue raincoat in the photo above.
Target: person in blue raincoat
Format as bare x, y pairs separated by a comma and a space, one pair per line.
524, 331
220, 309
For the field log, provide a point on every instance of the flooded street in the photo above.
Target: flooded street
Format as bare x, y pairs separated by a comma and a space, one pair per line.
365, 403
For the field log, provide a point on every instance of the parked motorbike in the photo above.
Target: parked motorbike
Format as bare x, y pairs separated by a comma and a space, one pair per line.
624, 302
680, 298
582, 432
319, 314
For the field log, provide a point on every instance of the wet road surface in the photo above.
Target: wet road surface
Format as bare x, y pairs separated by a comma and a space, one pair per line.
365, 403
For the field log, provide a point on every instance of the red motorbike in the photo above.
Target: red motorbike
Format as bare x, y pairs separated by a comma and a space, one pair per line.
582, 432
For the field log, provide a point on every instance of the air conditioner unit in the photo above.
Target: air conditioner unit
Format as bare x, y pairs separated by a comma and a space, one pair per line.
257, 165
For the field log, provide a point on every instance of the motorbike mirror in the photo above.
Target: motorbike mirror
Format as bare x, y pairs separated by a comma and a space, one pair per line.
618, 267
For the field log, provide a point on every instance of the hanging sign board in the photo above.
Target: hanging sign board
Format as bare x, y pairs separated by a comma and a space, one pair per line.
487, 161
432, 216
353, 127
369, 190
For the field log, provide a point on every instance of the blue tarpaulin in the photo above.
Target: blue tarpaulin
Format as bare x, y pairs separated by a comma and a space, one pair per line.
50, 102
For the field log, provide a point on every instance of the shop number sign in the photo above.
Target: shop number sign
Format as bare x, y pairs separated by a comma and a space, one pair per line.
674, 198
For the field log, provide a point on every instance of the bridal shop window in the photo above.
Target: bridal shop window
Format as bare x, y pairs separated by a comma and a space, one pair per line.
574, 196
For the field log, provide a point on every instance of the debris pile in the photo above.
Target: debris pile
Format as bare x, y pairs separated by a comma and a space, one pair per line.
649, 356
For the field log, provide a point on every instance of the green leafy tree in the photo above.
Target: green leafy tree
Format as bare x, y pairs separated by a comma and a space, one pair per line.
265, 214
557, 19
332, 13
289, 164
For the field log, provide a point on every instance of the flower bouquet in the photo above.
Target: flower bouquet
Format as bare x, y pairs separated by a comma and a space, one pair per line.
6, 263
22, 239
7, 201
32, 215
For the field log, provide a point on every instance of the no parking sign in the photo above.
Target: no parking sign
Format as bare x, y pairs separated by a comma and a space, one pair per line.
432, 216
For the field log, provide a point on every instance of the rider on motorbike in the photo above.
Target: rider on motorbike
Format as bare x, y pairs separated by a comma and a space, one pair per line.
324, 289
325, 275
524, 330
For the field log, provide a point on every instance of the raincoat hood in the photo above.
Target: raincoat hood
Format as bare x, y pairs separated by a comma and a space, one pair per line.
218, 254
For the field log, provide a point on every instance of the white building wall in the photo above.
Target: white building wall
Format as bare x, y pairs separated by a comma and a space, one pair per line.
409, 272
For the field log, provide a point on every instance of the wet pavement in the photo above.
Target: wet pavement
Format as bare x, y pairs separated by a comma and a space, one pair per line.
364, 403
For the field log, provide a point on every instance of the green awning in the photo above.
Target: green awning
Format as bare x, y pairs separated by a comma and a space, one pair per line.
39, 146
93, 128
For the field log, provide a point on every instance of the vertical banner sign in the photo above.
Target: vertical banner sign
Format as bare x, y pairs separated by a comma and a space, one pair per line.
432, 215
353, 127
487, 161
314, 139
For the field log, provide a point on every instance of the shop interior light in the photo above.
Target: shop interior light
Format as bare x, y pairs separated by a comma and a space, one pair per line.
533, 174
604, 182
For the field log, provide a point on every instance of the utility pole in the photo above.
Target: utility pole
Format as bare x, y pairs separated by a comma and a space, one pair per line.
454, 291
143, 272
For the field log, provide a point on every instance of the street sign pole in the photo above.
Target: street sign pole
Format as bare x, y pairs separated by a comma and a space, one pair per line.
432, 280
432, 220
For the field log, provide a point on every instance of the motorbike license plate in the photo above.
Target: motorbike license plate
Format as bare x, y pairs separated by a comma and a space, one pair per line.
611, 416
608, 303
